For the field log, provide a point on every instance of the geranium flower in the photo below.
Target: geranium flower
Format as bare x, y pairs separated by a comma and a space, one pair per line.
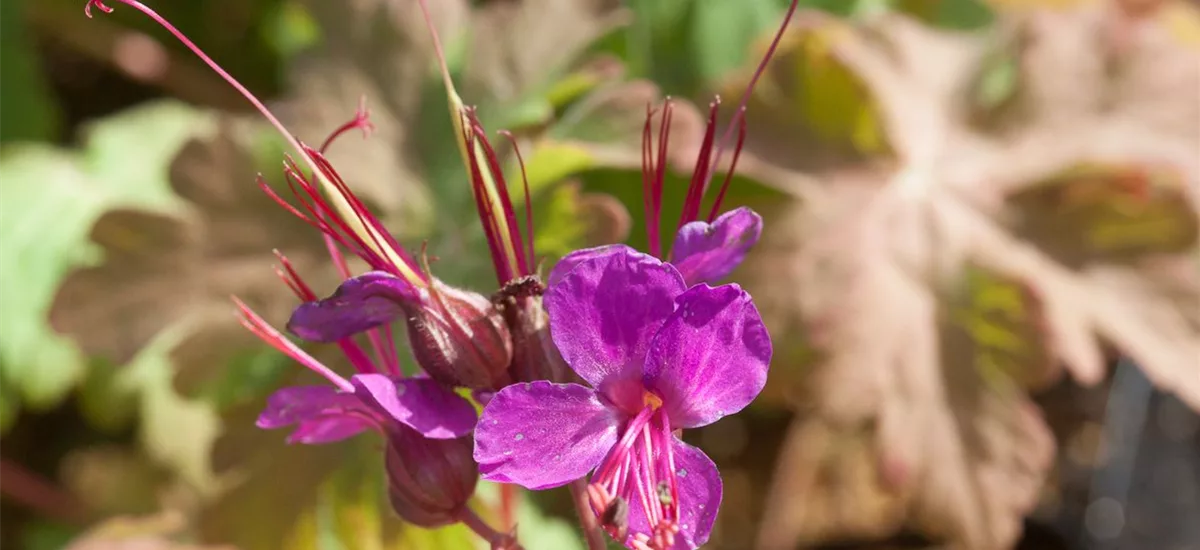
430, 472
658, 357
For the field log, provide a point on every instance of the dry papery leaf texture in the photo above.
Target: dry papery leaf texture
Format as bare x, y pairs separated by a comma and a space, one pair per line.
172, 268
972, 214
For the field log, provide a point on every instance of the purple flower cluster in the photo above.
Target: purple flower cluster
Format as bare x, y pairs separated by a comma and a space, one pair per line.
598, 370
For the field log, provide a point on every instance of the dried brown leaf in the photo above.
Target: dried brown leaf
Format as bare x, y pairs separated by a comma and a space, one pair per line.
944, 283
161, 269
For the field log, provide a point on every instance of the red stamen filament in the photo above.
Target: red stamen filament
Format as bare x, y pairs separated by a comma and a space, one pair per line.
361, 120
737, 153
695, 192
740, 115
268, 334
530, 258
640, 469
483, 206
354, 353
507, 266
258, 105
654, 170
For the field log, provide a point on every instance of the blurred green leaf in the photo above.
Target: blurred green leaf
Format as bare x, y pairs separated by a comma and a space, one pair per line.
290, 28
29, 112
46, 535
536, 530
49, 203
949, 14
721, 31
106, 402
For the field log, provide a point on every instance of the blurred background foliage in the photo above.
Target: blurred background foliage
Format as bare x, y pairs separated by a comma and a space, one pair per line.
974, 210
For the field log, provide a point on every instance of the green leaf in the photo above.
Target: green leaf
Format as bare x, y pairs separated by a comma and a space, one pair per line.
949, 14
29, 114
721, 31
49, 203
535, 529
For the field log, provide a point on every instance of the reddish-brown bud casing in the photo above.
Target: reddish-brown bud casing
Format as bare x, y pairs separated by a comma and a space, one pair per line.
460, 338
429, 480
534, 355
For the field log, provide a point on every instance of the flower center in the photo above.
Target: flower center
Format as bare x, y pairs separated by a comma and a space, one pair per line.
640, 471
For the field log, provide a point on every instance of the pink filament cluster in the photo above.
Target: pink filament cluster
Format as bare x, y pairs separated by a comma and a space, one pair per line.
640, 471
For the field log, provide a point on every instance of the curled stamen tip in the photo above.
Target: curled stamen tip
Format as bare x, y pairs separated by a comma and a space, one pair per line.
362, 118
87, 9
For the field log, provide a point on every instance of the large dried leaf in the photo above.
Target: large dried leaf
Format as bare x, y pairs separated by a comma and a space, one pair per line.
162, 269
51, 197
944, 282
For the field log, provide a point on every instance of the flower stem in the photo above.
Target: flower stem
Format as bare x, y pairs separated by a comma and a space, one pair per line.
31, 490
587, 520
498, 540
508, 505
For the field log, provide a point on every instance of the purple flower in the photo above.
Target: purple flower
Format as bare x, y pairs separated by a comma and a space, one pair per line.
458, 337
430, 472
658, 356
704, 251
374, 398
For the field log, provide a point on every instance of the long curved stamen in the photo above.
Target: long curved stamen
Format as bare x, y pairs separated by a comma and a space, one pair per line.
654, 170
510, 257
695, 192
530, 258
361, 121
268, 334
341, 203
362, 363
740, 114
487, 179
737, 153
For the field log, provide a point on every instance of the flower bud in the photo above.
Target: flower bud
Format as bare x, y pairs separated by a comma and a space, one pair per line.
429, 480
535, 356
460, 338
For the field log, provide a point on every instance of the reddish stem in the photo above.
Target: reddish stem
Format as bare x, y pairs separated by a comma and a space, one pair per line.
36, 493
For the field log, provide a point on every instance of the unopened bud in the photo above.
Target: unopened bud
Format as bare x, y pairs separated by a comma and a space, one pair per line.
535, 356
460, 338
429, 480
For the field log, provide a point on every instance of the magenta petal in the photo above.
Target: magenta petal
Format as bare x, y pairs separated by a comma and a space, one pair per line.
568, 262
360, 303
699, 484
296, 404
604, 313
330, 428
322, 414
706, 253
425, 405
710, 358
541, 435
